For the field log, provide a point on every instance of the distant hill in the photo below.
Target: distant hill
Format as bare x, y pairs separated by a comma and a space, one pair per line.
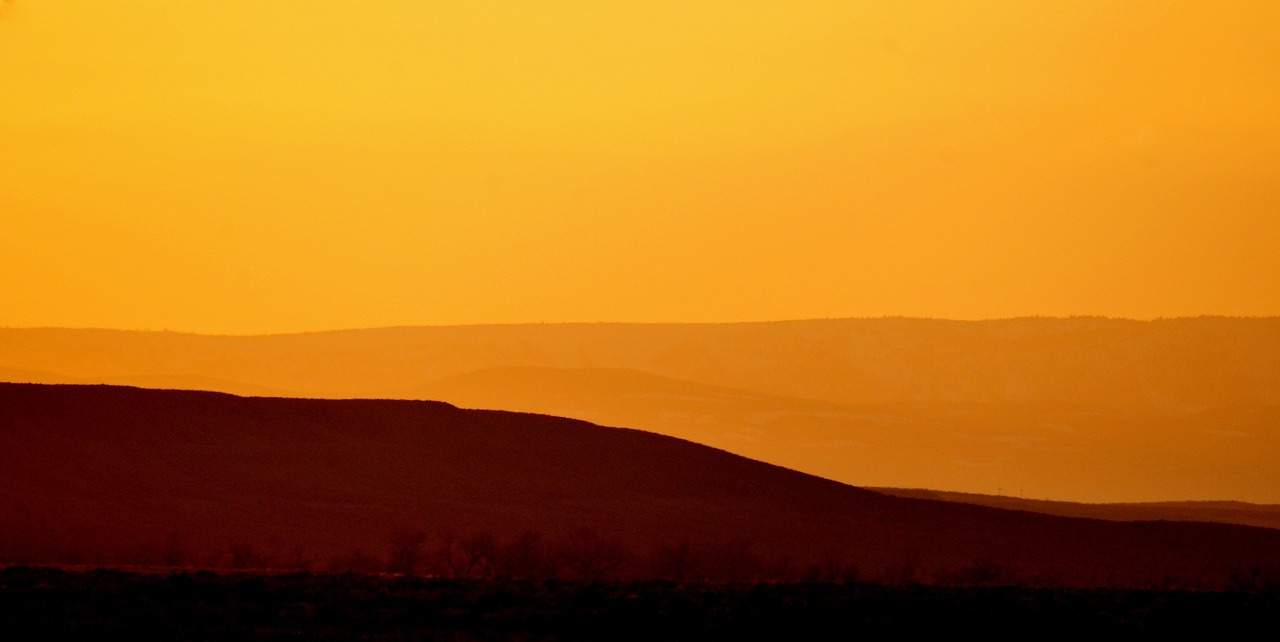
102, 474
1084, 408
1036, 446
162, 382
1168, 365
1263, 515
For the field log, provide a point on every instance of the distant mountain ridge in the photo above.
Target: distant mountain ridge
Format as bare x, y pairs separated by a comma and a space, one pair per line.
1169, 365
112, 473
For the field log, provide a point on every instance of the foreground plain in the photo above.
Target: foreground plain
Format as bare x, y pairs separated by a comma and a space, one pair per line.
58, 604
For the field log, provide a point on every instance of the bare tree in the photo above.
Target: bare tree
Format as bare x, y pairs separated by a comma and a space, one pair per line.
406, 553
831, 568
298, 559
523, 557
470, 556
356, 561
734, 560
676, 561
175, 553
480, 551
245, 556
589, 556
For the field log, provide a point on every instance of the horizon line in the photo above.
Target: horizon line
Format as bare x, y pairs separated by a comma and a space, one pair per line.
375, 328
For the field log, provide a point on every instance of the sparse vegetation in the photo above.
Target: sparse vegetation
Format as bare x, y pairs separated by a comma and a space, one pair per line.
585, 555
58, 604
406, 554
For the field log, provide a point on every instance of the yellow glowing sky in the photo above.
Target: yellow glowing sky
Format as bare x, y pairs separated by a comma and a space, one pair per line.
283, 165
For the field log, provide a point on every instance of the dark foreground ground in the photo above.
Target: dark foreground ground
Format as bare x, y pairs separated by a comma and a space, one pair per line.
44, 603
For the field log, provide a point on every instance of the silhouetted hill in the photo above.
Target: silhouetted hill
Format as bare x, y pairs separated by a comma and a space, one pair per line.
1083, 408
1262, 515
161, 382
1040, 447
104, 474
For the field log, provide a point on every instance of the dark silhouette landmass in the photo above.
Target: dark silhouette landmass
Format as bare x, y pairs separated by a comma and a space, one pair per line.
1030, 447
109, 475
1263, 515
44, 603
1082, 409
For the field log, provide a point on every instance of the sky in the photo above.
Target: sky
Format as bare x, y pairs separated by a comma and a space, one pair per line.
280, 166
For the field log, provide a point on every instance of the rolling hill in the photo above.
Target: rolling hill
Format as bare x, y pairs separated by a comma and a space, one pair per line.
107, 474
1084, 409
1035, 446
1263, 515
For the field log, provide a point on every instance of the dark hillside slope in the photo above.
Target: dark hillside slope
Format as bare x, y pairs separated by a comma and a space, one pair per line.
1264, 515
107, 472
1080, 409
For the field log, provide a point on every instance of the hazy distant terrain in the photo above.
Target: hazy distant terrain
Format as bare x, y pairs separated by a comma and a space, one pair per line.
105, 474
1079, 409
1264, 515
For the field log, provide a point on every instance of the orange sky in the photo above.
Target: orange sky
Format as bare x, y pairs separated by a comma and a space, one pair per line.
296, 165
